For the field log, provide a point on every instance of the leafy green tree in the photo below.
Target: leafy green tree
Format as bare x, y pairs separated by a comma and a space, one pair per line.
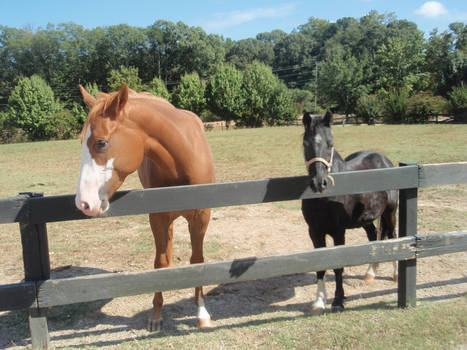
246, 51
129, 76
178, 49
294, 59
342, 81
224, 93
303, 100
446, 58
158, 88
31, 107
257, 88
281, 108
458, 103
189, 94
266, 98
400, 65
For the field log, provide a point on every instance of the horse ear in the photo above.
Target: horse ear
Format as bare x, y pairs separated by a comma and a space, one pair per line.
306, 119
328, 119
118, 102
87, 97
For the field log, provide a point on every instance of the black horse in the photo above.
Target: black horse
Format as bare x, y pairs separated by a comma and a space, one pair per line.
333, 215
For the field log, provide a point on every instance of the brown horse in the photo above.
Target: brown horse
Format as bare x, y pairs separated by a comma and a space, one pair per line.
127, 131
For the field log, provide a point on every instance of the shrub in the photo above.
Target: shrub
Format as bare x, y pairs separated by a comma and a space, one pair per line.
63, 125
189, 94
368, 108
280, 109
224, 93
457, 104
158, 88
129, 76
31, 107
424, 105
395, 105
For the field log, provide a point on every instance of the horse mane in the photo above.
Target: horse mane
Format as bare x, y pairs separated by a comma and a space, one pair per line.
146, 95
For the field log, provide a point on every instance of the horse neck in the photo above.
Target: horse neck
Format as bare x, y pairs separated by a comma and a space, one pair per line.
338, 163
164, 142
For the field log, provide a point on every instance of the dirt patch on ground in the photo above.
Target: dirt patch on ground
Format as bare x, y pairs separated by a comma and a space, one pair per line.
235, 232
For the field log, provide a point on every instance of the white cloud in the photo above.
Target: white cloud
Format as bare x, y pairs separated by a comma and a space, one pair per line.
235, 18
431, 9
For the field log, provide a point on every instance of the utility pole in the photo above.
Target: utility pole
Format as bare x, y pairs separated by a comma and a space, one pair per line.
316, 86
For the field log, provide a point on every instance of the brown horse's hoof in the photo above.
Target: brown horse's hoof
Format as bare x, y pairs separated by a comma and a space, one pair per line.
395, 278
205, 323
368, 277
155, 325
317, 310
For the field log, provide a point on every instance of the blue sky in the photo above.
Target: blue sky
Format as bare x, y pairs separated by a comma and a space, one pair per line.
238, 19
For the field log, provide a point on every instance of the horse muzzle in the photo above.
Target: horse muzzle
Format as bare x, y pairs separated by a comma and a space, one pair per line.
92, 205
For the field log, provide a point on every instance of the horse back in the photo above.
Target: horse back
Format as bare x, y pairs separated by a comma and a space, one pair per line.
365, 160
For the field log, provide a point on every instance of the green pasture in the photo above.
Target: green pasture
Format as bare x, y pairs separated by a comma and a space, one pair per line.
243, 154
52, 167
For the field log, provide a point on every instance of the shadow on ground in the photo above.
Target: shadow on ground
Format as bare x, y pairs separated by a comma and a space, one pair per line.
234, 300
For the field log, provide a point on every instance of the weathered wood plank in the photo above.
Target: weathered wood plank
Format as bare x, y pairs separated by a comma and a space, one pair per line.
38, 327
442, 243
104, 286
442, 174
17, 296
61, 208
13, 209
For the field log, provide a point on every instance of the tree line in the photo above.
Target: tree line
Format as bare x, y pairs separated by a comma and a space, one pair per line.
377, 65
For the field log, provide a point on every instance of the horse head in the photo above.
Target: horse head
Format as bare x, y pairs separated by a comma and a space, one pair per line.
318, 150
111, 150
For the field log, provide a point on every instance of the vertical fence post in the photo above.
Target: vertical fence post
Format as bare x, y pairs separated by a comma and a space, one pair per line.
407, 285
36, 268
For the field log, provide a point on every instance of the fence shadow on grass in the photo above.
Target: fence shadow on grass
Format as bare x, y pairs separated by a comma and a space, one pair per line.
235, 300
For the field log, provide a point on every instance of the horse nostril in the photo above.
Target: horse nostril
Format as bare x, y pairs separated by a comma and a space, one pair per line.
85, 205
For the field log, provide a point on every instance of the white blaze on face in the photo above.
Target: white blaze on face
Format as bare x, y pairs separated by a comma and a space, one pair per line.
91, 197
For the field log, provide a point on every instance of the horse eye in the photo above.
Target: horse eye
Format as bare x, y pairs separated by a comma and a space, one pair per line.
101, 145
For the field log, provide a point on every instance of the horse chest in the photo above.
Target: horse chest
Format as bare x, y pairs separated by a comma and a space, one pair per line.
333, 213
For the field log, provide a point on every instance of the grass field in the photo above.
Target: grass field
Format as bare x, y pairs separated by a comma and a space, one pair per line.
123, 244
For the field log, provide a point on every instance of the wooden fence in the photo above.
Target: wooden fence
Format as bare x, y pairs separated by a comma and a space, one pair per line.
38, 292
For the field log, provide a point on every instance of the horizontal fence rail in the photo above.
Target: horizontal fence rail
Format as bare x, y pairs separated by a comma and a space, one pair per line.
111, 285
156, 200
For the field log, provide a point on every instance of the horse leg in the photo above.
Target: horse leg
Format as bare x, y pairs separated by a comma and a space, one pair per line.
388, 225
162, 229
372, 235
319, 305
338, 303
197, 224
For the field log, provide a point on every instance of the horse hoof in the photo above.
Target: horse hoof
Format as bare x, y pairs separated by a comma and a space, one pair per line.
155, 325
337, 308
205, 323
395, 278
369, 277
317, 310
